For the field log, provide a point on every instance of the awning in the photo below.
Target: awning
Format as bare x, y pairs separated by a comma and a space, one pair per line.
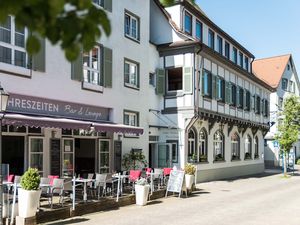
36, 121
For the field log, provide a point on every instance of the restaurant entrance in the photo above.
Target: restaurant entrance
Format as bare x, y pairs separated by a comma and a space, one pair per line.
13, 153
85, 156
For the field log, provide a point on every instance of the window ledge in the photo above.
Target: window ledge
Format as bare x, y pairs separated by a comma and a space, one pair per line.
131, 86
235, 160
256, 158
15, 70
132, 38
201, 163
92, 87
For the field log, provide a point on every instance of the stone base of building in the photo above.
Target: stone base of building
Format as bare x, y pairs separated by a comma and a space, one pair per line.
229, 172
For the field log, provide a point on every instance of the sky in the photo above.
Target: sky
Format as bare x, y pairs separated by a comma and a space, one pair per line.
264, 27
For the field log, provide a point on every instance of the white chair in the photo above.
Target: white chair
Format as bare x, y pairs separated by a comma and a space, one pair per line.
100, 182
56, 189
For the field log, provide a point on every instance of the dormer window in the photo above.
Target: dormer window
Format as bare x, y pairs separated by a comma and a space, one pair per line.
220, 45
198, 30
234, 55
227, 52
241, 59
188, 23
211, 39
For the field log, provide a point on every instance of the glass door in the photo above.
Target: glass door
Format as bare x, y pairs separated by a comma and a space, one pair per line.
104, 146
67, 157
164, 155
36, 150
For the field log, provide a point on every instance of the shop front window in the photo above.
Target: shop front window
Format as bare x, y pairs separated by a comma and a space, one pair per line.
218, 145
235, 147
248, 147
191, 146
104, 156
202, 146
36, 154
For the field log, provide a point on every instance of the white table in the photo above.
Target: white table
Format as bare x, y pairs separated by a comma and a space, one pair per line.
84, 181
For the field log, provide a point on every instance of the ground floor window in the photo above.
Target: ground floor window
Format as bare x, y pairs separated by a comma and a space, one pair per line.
68, 158
36, 147
248, 147
235, 147
104, 156
256, 151
191, 146
202, 146
218, 146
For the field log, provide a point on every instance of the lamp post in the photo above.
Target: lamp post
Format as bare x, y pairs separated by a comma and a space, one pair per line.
3, 103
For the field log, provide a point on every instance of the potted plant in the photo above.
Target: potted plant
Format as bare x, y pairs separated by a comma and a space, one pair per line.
29, 193
134, 160
141, 191
189, 170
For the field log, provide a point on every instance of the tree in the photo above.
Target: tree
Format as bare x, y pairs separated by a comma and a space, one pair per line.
73, 24
134, 160
288, 129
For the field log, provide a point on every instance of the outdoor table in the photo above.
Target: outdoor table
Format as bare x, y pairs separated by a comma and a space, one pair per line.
84, 181
120, 182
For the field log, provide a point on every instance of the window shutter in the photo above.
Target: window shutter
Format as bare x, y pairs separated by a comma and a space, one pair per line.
262, 106
77, 68
237, 96
214, 84
108, 5
39, 59
188, 79
107, 67
245, 99
202, 85
227, 92
160, 82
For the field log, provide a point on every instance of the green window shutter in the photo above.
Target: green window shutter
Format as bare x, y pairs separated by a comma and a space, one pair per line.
39, 59
77, 68
188, 79
226, 92
244, 99
214, 84
237, 97
160, 82
254, 103
107, 67
108, 5
202, 84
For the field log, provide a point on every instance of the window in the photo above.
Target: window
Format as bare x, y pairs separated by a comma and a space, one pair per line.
99, 2
188, 23
152, 79
211, 39
266, 108
227, 51
248, 99
218, 145
104, 160
220, 89
235, 147
234, 55
284, 84
12, 43
256, 152
206, 83
241, 98
288, 67
174, 76
246, 63
198, 30
91, 66
280, 103
132, 26
191, 146
220, 44
131, 74
291, 86
241, 59
258, 104
202, 151
174, 149
131, 118
233, 95
248, 147
36, 153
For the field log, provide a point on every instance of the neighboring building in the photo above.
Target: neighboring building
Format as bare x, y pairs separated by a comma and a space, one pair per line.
280, 73
170, 73
219, 108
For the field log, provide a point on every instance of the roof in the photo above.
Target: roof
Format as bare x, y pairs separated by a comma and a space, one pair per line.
270, 70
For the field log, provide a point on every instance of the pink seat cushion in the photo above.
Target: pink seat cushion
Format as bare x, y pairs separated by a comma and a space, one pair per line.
148, 171
167, 171
52, 177
10, 178
134, 175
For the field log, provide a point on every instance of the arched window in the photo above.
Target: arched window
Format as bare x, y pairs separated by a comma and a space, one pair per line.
235, 147
248, 147
191, 146
219, 146
202, 149
256, 151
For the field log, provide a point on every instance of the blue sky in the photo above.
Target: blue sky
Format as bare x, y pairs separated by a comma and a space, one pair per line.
265, 27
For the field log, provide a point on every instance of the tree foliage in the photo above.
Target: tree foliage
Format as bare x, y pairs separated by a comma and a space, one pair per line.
288, 129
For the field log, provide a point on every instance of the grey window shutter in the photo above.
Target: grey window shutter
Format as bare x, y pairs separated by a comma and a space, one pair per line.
237, 96
77, 68
108, 5
188, 79
39, 59
226, 92
160, 81
202, 84
262, 106
107, 67
244, 99
214, 84
254, 103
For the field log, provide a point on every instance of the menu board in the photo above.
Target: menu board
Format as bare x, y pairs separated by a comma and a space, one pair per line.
55, 156
175, 181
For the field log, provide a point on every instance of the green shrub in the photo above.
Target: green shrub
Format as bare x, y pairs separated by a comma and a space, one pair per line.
190, 169
31, 180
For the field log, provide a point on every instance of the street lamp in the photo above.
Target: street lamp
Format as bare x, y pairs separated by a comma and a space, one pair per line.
3, 104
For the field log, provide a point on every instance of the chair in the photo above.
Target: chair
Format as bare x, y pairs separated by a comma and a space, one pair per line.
55, 190
167, 172
68, 189
10, 178
52, 177
90, 176
158, 177
100, 182
134, 175
45, 181
17, 179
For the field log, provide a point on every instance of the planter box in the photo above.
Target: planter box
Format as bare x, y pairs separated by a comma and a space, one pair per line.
141, 194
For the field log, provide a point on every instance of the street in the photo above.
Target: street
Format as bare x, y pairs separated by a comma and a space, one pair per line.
263, 200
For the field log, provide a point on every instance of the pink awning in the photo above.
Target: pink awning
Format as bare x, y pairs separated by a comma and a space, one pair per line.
36, 121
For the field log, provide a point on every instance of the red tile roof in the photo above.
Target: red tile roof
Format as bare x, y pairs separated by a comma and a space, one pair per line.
270, 70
